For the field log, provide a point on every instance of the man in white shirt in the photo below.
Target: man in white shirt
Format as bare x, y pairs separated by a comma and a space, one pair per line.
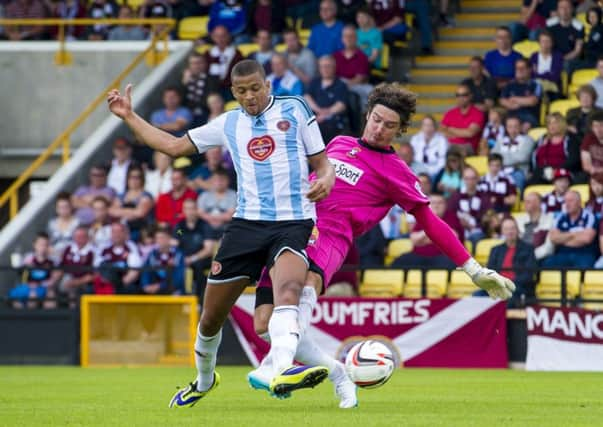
430, 146
122, 158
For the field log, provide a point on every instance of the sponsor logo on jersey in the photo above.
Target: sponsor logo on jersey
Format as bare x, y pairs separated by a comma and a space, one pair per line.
283, 125
216, 267
352, 153
346, 172
314, 236
261, 148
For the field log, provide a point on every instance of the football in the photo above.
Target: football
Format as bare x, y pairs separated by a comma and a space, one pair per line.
369, 364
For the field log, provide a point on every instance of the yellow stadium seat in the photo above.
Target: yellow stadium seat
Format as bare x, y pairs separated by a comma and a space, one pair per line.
385, 58
526, 48
202, 49
540, 189
380, 283
396, 248
536, 133
584, 191
247, 49
519, 215
593, 289
231, 105
587, 27
304, 35
582, 77
193, 27
483, 248
469, 246
563, 105
479, 163
436, 281
549, 283
280, 48
461, 285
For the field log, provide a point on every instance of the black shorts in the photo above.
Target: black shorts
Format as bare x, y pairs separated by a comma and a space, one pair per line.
248, 246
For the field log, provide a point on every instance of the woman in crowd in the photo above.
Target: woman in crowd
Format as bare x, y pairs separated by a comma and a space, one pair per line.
578, 119
61, 228
448, 180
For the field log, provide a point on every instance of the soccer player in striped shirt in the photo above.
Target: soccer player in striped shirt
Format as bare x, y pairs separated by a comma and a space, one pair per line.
270, 140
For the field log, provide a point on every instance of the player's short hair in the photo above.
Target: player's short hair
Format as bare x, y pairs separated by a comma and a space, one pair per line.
545, 33
597, 116
525, 61
495, 157
504, 28
247, 67
588, 89
42, 235
222, 172
397, 98
162, 229
63, 195
478, 59
101, 199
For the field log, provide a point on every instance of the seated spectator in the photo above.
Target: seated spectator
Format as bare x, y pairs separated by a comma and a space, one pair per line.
422, 14
482, 87
134, 206
100, 229
567, 32
159, 180
85, 194
425, 253
515, 260
76, 264
372, 246
101, 9
282, 80
469, 205
198, 84
407, 154
25, 9
497, 186
232, 15
60, 228
39, 280
522, 96
147, 242
173, 118
117, 263
221, 58
595, 203
267, 15
126, 32
597, 83
463, 124
553, 201
370, 39
593, 48
532, 19
493, 131
430, 146
197, 241
352, 66
157, 9
448, 180
215, 106
579, 119
500, 62
265, 53
425, 183
573, 236
327, 96
122, 159
302, 61
391, 224
547, 65
325, 37
389, 17
347, 9
68, 9
490, 224
555, 150
591, 149
217, 205
164, 268
199, 178
169, 205
516, 151
534, 227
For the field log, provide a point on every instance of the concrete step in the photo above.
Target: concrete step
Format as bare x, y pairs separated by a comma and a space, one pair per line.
446, 101
432, 91
423, 108
508, 6
468, 20
436, 76
476, 33
443, 61
473, 47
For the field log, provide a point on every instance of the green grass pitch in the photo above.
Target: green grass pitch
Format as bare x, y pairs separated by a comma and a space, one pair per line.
69, 396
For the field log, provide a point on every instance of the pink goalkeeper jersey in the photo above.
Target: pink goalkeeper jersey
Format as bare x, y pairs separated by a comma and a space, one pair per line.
369, 182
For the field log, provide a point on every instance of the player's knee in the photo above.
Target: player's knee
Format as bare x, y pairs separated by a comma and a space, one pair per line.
209, 324
289, 293
260, 326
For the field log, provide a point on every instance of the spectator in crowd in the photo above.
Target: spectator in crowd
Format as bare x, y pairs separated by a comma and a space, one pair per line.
515, 260
500, 62
267, 15
121, 162
117, 264
68, 9
482, 87
347, 9
516, 151
100, 229
597, 83
535, 225
425, 183
101, 9
25, 9
217, 205
222, 57
76, 264
371, 248
493, 131
567, 32
448, 180
557, 149
126, 32
327, 96
232, 15
547, 65
463, 124
173, 118
497, 186
595, 203
155, 9
573, 236
169, 205
197, 85
197, 241
60, 228
200, 176
425, 253
470, 206
430, 146
352, 65
282, 80
302, 61
553, 202
147, 242
591, 149
391, 224
134, 206
264, 41
215, 106
593, 48
39, 280
532, 19
522, 96
164, 268
85, 194
422, 13
344, 283
579, 119
325, 37
370, 39
389, 17
407, 154
159, 180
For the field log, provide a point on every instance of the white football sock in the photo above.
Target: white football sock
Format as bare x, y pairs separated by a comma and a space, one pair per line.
309, 353
307, 302
206, 350
284, 333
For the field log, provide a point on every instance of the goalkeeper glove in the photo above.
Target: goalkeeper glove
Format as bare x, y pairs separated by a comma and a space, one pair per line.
497, 286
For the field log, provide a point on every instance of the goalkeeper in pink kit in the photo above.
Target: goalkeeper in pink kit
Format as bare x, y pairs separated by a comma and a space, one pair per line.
370, 180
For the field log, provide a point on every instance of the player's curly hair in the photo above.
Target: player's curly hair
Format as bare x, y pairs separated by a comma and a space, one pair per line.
397, 98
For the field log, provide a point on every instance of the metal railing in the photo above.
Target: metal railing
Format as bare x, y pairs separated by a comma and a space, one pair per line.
63, 141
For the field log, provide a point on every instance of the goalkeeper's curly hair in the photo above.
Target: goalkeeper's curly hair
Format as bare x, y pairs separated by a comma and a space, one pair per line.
397, 98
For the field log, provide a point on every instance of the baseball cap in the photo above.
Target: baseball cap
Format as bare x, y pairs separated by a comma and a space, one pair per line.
562, 173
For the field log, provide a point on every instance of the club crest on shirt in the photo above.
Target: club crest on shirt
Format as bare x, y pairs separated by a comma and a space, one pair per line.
352, 153
261, 148
283, 125
216, 267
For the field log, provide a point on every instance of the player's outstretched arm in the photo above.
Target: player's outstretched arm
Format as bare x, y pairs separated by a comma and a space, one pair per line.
121, 106
325, 177
441, 234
